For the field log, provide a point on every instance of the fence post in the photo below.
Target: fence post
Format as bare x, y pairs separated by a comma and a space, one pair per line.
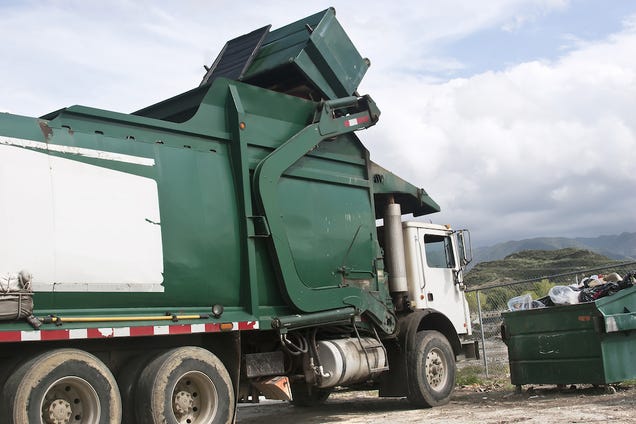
483, 337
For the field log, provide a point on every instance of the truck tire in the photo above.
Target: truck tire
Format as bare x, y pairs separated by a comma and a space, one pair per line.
304, 397
431, 370
184, 385
62, 385
127, 379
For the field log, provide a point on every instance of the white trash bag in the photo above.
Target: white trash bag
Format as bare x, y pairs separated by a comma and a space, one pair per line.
563, 295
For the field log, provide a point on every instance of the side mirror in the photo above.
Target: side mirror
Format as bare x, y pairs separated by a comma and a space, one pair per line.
465, 247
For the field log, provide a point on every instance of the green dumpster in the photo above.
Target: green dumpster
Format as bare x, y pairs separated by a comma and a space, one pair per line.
586, 343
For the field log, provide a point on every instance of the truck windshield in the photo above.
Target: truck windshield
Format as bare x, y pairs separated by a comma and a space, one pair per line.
439, 252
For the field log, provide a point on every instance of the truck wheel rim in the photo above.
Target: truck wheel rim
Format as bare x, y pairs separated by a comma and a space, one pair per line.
194, 399
435, 369
70, 400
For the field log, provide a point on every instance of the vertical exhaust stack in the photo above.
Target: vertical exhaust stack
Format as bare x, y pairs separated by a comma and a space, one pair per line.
394, 247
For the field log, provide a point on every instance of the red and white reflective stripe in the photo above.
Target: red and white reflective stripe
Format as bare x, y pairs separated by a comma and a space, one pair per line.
356, 121
111, 332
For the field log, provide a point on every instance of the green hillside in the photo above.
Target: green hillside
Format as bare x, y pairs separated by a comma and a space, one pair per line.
619, 246
533, 264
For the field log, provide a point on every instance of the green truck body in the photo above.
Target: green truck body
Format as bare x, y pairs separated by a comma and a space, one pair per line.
233, 225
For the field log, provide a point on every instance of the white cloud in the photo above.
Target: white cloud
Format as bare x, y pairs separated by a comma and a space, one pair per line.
542, 148
532, 11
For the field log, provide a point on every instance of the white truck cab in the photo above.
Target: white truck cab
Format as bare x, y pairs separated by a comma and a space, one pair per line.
435, 259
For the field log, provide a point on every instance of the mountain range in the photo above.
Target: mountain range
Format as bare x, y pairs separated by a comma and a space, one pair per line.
620, 247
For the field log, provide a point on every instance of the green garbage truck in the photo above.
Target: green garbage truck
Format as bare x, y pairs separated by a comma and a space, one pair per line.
232, 242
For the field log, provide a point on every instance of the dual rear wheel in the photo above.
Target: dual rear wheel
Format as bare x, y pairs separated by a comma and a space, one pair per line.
70, 386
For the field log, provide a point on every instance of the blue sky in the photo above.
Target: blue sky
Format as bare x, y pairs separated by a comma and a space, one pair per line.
517, 116
545, 35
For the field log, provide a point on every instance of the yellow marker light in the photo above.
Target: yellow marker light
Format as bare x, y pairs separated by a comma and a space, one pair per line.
227, 326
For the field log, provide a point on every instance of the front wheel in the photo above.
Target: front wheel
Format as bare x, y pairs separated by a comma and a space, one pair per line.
61, 386
185, 385
431, 370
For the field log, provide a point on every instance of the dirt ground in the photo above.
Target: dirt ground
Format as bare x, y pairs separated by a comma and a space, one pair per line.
475, 404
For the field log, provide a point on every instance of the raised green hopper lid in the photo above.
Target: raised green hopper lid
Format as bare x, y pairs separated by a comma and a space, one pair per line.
312, 58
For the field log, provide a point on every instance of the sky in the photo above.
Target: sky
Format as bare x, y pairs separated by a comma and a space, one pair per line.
517, 116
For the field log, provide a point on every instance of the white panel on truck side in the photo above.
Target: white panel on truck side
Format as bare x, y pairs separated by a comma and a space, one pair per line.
75, 226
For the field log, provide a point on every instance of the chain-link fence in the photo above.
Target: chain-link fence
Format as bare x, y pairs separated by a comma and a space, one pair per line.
489, 301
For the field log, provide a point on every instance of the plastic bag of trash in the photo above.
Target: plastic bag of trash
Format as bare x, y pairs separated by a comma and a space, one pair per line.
536, 304
563, 295
519, 303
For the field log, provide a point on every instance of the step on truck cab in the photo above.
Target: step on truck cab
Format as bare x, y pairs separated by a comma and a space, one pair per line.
221, 245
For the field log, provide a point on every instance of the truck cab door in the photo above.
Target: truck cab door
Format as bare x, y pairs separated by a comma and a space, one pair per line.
443, 288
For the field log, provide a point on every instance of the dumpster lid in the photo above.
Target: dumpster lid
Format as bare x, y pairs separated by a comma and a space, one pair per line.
312, 58
619, 310
236, 56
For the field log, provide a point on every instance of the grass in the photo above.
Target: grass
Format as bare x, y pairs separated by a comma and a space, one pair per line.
473, 376
470, 375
